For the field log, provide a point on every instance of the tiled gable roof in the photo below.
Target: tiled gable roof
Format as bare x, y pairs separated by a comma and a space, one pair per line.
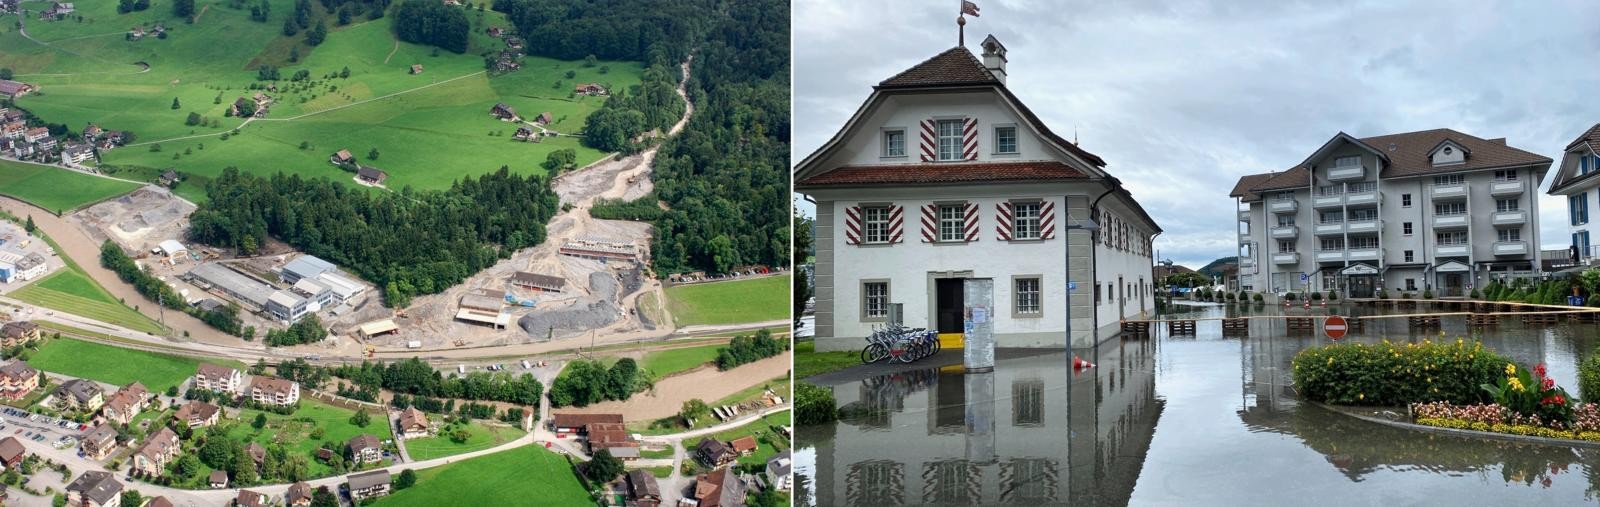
895, 174
955, 66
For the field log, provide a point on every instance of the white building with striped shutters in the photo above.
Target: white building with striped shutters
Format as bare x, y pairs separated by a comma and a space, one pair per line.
989, 191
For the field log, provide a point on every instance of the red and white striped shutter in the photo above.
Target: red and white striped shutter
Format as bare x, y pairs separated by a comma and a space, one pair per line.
852, 225
972, 222
1047, 220
1003, 222
897, 215
930, 223
930, 145
969, 140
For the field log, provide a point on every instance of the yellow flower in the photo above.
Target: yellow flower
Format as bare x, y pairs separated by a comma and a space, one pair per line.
1515, 383
1361, 396
1511, 369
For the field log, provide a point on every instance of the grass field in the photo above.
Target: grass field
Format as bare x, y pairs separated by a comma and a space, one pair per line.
667, 362
55, 188
430, 128
294, 430
483, 437
660, 472
769, 441
530, 473
808, 362
656, 454
732, 302
71, 291
778, 385
115, 365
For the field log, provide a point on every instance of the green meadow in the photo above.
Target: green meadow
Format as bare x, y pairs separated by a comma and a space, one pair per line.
731, 302
429, 128
55, 188
116, 365
70, 290
531, 473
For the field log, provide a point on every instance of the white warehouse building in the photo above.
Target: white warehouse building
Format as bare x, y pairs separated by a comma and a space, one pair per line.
944, 175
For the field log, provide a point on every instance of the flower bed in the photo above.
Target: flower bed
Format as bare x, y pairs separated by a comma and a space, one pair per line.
1389, 374
1498, 419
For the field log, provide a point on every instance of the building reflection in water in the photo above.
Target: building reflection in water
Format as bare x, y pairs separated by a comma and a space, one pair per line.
1030, 432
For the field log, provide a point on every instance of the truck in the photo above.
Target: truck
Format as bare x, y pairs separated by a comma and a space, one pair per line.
461, 368
414, 344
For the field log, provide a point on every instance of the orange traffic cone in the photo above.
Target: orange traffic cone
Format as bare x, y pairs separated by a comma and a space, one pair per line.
1079, 363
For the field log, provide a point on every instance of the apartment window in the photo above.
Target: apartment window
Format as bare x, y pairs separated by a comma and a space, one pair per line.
1329, 190
1449, 179
1410, 256
1361, 187
1027, 402
952, 222
1405, 228
1580, 239
1328, 244
1285, 220
1506, 205
1583, 165
1507, 175
875, 224
1363, 215
1405, 200
950, 139
1285, 246
1025, 294
1411, 284
1578, 208
1350, 161
1450, 238
875, 300
1504, 235
1363, 242
894, 143
1005, 139
1330, 217
1450, 208
1025, 220
1098, 290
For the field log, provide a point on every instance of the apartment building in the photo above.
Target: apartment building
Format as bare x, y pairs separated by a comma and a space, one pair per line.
1576, 179
274, 391
1435, 210
219, 378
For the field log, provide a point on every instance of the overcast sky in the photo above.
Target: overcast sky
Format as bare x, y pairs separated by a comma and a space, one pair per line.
1182, 98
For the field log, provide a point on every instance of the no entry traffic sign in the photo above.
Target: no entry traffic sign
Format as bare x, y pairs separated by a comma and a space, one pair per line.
1335, 327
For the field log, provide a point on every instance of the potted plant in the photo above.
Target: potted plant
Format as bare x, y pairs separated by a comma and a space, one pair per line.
1316, 296
1333, 296
1427, 293
1256, 297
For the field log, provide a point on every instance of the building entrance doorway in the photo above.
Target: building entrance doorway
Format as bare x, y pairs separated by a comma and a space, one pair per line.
1362, 286
1450, 284
949, 302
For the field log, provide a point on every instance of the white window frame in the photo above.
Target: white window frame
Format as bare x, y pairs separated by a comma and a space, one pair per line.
1502, 205
957, 223
888, 147
1347, 161
1405, 200
955, 140
875, 300
1449, 179
1027, 301
1453, 208
875, 224
1286, 246
1506, 235
1000, 140
1409, 255
1505, 175
1407, 229
1456, 238
1026, 219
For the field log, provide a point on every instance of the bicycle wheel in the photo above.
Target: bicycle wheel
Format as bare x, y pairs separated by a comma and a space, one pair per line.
936, 344
873, 353
908, 352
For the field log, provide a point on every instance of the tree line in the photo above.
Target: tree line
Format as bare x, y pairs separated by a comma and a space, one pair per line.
225, 317
586, 382
637, 30
307, 330
417, 378
408, 243
433, 23
748, 349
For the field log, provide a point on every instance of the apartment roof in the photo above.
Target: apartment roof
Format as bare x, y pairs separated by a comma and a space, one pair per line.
96, 485
100, 434
411, 417
1591, 136
249, 498
987, 172
270, 384
159, 501
17, 329
196, 410
212, 371
363, 441
1242, 188
128, 396
80, 389
642, 484
18, 370
297, 491
1408, 152
161, 443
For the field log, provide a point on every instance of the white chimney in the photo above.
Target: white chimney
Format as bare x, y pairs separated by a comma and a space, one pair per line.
994, 58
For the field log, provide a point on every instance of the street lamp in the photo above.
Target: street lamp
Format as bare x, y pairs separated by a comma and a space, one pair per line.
1085, 225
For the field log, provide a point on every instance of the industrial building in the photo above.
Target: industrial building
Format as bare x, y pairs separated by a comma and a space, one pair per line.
247, 290
288, 306
484, 306
600, 249
305, 266
535, 281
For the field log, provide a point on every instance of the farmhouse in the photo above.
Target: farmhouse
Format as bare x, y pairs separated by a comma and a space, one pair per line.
612, 436
298, 495
168, 177
77, 153
368, 484
99, 442
413, 423
218, 479
274, 391
513, 42
495, 31
126, 403
564, 424
523, 134
12, 452
535, 281
507, 61
248, 291
17, 379
198, 414
745, 445
136, 33
36, 134
159, 449
249, 498
242, 108
112, 139
13, 89
716, 452
721, 488
218, 378
504, 112
342, 157
364, 449
18, 332
262, 99
95, 489
416, 68
78, 394
643, 490
371, 175
544, 118
589, 89
92, 131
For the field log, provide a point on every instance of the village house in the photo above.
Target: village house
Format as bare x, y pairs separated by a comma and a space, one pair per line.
92, 131
274, 391
112, 139
371, 175
18, 332
11, 452
262, 99
36, 134
412, 423
589, 89
17, 379
716, 453
495, 31
257, 453
298, 495
218, 479
538, 282
721, 488
544, 118
779, 470
342, 157
507, 61
14, 130
523, 134
78, 394
13, 89
77, 153
416, 68
504, 112
99, 442
126, 403
513, 42
249, 498
364, 449
136, 33
159, 449
245, 108
168, 177
160, 501
643, 490
219, 378
368, 484
745, 445
95, 489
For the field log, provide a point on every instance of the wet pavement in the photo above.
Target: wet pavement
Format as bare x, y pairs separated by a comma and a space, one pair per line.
1173, 420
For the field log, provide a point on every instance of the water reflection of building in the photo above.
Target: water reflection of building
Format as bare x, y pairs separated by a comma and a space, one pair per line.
1031, 432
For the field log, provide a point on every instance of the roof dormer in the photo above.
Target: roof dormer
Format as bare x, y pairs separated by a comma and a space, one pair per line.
1448, 152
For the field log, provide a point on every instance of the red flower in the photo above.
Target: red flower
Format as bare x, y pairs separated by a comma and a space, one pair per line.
1538, 370
1549, 383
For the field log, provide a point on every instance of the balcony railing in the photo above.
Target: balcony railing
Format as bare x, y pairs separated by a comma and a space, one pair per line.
1458, 221
1330, 255
1244, 215
1507, 187
1286, 258
1450, 191
1247, 262
1510, 248
1354, 198
1347, 173
1327, 201
1364, 254
1285, 232
1452, 250
1328, 228
1371, 225
1513, 217
1283, 205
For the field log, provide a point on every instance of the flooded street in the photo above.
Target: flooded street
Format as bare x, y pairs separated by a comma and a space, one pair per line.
1173, 420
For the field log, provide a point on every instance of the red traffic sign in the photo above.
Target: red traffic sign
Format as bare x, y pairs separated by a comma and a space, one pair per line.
1335, 327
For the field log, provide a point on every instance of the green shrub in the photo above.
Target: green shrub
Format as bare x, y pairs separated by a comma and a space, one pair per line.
1383, 294
1405, 295
1589, 378
1230, 297
1427, 293
1316, 296
814, 405
1475, 294
1289, 297
1333, 296
1257, 297
1389, 374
